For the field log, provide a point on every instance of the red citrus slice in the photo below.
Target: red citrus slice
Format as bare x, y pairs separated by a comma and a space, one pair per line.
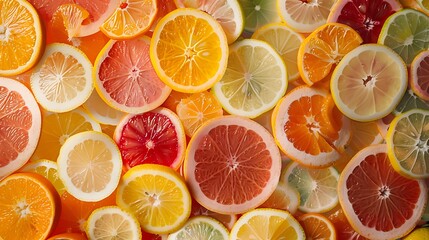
232, 165
20, 124
419, 75
125, 79
366, 17
156, 136
379, 202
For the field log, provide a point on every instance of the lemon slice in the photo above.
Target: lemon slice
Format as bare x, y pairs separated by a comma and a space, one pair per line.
48, 169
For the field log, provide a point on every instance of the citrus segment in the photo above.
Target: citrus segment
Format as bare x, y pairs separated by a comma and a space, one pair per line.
406, 141
285, 197
62, 79
21, 37
48, 169
323, 49
89, 164
230, 153
26, 199
125, 78
101, 112
304, 16
157, 196
406, 33
201, 227
258, 13
20, 123
189, 50
266, 223
371, 191
317, 226
369, 82
255, 79
130, 19
419, 75
72, 16
151, 137
366, 17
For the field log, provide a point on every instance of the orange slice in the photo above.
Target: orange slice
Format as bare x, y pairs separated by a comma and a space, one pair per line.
29, 207
232, 165
322, 50
285, 197
189, 50
130, 19
20, 37
317, 226
20, 124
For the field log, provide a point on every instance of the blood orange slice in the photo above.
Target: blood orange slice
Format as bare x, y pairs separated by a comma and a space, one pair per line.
232, 165
125, 79
156, 136
379, 202
366, 17
20, 124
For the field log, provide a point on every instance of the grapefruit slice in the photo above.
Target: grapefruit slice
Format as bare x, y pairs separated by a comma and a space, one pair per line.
156, 136
366, 17
20, 124
232, 165
125, 79
419, 75
379, 202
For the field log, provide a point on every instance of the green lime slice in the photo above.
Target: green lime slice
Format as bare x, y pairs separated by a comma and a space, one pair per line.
258, 13
410, 101
201, 227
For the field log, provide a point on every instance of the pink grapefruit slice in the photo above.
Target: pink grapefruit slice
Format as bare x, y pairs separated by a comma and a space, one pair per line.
232, 165
379, 202
419, 75
125, 78
156, 137
20, 124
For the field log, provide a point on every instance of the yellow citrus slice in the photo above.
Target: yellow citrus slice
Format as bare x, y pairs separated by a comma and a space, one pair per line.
369, 82
418, 233
201, 227
130, 19
189, 50
21, 37
62, 80
101, 112
267, 223
157, 196
112, 222
48, 169
90, 165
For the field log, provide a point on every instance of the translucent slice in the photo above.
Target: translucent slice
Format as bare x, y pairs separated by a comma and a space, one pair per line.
258, 13
201, 227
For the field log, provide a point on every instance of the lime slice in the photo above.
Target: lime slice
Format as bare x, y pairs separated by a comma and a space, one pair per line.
410, 101
317, 187
201, 227
255, 79
258, 13
285, 41
407, 140
407, 33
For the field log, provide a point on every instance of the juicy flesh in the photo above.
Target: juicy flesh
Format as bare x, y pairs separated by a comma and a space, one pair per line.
267, 227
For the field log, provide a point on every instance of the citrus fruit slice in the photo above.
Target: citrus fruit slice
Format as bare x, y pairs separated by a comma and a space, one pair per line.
189, 50
367, 18
157, 196
419, 75
112, 222
410, 101
304, 16
174, 99
125, 78
317, 226
57, 127
285, 41
151, 137
197, 109
418, 233
48, 169
99, 11
89, 164
201, 227
227, 220
406, 141
230, 153
285, 197
266, 223
342, 226
227, 12
21, 37
317, 187
301, 131
406, 33
371, 191
72, 16
27, 198
101, 112
62, 79
255, 79
20, 124
369, 82
68, 236
130, 19
258, 13
323, 49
